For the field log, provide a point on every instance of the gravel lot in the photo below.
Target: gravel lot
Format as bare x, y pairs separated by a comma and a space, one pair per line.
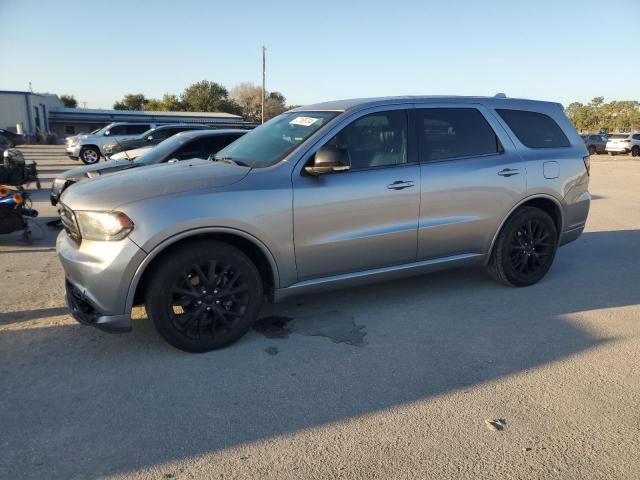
394, 380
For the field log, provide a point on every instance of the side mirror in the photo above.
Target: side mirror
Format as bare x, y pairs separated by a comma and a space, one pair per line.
107, 133
329, 160
173, 160
149, 138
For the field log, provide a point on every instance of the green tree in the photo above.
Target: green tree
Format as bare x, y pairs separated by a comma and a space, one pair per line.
169, 103
205, 96
69, 101
131, 101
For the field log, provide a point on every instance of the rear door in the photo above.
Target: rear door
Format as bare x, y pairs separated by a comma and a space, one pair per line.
471, 178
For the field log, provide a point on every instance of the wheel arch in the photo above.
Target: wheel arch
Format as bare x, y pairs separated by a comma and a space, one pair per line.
259, 254
546, 203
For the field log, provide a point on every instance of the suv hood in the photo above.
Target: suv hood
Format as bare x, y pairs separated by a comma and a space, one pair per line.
128, 186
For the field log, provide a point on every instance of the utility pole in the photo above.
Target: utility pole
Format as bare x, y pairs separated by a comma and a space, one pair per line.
264, 49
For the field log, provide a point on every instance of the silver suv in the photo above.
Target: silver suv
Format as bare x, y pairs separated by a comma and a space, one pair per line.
90, 147
325, 196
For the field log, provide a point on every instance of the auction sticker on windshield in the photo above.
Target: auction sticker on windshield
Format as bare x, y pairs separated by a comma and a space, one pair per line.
304, 121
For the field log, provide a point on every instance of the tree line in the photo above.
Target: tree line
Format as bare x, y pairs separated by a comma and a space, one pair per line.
244, 99
598, 116
206, 96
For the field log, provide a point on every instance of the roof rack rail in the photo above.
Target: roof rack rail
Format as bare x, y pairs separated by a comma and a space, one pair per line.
500, 95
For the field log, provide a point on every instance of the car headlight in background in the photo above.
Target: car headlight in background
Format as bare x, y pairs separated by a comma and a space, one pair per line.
103, 226
58, 183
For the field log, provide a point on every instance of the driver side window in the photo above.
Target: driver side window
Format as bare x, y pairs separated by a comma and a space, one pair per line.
375, 140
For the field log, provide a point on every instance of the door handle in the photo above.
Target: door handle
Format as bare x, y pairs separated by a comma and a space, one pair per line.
400, 184
508, 172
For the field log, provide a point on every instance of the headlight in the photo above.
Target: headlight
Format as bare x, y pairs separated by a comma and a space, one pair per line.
104, 226
108, 148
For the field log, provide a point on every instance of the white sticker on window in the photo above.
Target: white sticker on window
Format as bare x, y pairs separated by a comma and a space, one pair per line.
304, 121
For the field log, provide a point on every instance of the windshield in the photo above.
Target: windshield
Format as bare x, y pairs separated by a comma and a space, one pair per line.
271, 142
160, 151
145, 134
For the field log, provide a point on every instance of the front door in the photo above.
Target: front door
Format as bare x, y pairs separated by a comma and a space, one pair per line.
471, 178
366, 217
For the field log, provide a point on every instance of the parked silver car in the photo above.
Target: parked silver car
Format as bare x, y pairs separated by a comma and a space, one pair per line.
325, 196
90, 147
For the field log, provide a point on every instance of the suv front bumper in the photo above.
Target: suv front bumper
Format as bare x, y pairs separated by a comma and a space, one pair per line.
73, 151
98, 276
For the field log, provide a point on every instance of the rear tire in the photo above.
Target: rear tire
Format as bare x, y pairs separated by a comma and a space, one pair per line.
525, 248
592, 150
204, 296
635, 151
90, 155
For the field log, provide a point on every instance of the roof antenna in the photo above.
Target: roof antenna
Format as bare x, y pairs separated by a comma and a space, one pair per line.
500, 95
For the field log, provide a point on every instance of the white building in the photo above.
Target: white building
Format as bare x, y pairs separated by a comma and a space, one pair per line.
27, 111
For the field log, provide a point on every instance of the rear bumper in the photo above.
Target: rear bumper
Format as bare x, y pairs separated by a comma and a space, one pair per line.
617, 149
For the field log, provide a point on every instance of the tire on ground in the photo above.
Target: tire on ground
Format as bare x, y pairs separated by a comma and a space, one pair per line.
170, 269
500, 265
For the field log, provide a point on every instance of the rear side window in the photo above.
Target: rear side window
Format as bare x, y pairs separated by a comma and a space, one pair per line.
445, 133
636, 136
136, 129
533, 129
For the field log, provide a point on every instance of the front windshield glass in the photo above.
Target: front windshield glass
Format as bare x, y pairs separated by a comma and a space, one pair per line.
164, 148
271, 142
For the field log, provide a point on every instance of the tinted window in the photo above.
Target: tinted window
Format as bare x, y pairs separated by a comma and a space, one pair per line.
534, 130
192, 149
213, 145
136, 129
375, 140
636, 136
117, 130
445, 133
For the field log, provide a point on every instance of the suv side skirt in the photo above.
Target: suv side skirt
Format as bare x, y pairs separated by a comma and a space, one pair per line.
364, 277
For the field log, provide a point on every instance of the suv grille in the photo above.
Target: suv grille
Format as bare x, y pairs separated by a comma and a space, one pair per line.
69, 223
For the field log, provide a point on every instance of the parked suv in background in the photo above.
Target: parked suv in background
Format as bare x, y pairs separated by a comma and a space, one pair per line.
595, 143
150, 138
89, 148
202, 144
325, 196
624, 143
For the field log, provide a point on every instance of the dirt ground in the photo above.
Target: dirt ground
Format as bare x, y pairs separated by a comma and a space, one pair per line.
444, 376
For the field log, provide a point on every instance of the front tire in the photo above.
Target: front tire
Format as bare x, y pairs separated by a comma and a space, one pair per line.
89, 155
635, 151
525, 248
204, 296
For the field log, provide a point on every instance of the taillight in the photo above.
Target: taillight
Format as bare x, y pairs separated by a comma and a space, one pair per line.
587, 164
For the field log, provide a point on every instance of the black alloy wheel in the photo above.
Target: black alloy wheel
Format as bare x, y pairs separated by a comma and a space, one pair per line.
204, 296
525, 248
208, 299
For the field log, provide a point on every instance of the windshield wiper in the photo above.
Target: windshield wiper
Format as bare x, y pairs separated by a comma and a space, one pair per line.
230, 160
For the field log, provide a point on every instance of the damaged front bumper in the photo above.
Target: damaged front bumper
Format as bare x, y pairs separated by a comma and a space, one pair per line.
84, 312
97, 280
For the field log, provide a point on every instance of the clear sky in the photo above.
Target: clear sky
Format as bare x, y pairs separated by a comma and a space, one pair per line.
557, 50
